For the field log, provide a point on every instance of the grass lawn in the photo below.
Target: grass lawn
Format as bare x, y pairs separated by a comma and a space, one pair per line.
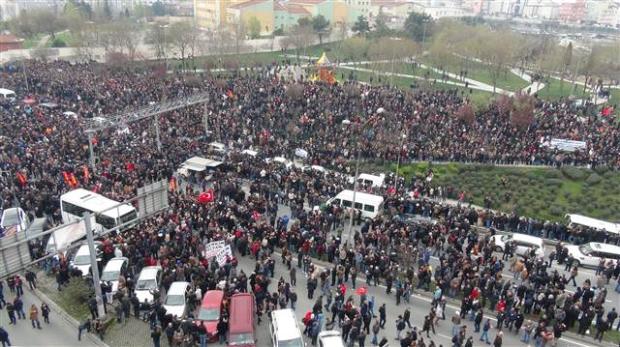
480, 72
555, 90
72, 298
543, 193
614, 97
404, 68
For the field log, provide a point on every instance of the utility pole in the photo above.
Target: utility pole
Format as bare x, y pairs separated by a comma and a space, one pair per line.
357, 169
157, 138
205, 121
94, 268
91, 151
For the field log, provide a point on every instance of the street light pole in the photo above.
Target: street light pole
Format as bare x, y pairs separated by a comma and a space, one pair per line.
157, 134
400, 149
91, 151
357, 168
94, 268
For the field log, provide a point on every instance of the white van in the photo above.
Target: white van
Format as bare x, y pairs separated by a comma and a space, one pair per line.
521, 243
115, 268
590, 254
81, 259
14, 220
7, 94
371, 205
330, 338
200, 165
284, 329
148, 280
371, 180
176, 299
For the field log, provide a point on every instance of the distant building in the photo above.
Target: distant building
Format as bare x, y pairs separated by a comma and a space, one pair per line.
572, 11
286, 15
391, 8
9, 42
212, 14
12, 8
259, 9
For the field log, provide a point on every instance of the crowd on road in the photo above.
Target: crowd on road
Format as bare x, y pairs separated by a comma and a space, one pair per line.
331, 123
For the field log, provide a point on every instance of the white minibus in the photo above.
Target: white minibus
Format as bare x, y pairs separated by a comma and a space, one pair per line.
371, 205
106, 213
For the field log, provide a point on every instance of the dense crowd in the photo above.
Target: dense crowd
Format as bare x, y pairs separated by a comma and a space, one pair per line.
331, 123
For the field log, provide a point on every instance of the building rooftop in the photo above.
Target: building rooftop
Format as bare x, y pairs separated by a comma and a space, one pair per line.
247, 4
306, 2
9, 38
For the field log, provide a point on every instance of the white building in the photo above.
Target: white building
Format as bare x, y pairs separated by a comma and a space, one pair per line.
12, 8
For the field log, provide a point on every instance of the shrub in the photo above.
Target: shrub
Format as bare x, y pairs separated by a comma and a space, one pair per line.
574, 173
58, 42
601, 169
556, 210
553, 182
554, 173
594, 179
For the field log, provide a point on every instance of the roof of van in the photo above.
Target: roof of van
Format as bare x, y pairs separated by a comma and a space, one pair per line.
115, 264
178, 287
287, 328
594, 223
605, 247
241, 306
528, 238
96, 202
5, 91
212, 298
370, 177
149, 272
360, 197
200, 163
331, 338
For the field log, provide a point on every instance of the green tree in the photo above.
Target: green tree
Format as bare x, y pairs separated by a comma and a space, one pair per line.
320, 25
361, 26
107, 11
159, 9
418, 26
254, 27
381, 28
567, 60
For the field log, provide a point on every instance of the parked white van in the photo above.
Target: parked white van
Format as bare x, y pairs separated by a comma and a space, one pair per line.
371, 180
284, 329
590, 254
148, 280
371, 205
7, 94
522, 244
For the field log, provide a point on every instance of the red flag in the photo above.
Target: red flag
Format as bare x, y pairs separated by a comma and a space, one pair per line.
21, 178
130, 166
86, 174
607, 111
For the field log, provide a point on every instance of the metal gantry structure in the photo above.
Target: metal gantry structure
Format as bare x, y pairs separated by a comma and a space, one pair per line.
126, 117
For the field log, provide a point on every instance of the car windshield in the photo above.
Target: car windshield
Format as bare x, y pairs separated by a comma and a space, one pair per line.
208, 314
110, 276
146, 284
240, 339
290, 343
585, 249
83, 259
175, 300
506, 238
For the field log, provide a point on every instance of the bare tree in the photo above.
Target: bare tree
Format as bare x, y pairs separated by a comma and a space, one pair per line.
184, 37
301, 37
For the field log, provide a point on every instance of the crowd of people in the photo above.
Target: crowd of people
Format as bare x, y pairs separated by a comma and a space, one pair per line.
332, 124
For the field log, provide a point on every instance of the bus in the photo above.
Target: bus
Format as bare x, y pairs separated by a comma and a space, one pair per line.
106, 213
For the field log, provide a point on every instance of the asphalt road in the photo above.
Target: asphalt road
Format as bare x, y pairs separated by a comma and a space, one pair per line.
418, 305
57, 333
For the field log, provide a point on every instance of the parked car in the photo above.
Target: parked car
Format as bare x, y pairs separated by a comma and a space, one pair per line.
149, 281
176, 299
522, 244
590, 254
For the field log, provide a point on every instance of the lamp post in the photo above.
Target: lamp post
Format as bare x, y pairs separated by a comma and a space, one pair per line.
403, 136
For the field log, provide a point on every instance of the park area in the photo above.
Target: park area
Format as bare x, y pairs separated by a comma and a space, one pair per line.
539, 192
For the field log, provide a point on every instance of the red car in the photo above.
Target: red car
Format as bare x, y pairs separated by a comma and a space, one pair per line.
210, 311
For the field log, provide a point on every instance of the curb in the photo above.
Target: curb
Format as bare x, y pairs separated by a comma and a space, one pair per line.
456, 304
67, 317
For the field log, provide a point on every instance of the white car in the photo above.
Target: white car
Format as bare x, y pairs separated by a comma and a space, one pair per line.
522, 244
81, 259
330, 338
113, 270
148, 280
14, 220
176, 299
590, 254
